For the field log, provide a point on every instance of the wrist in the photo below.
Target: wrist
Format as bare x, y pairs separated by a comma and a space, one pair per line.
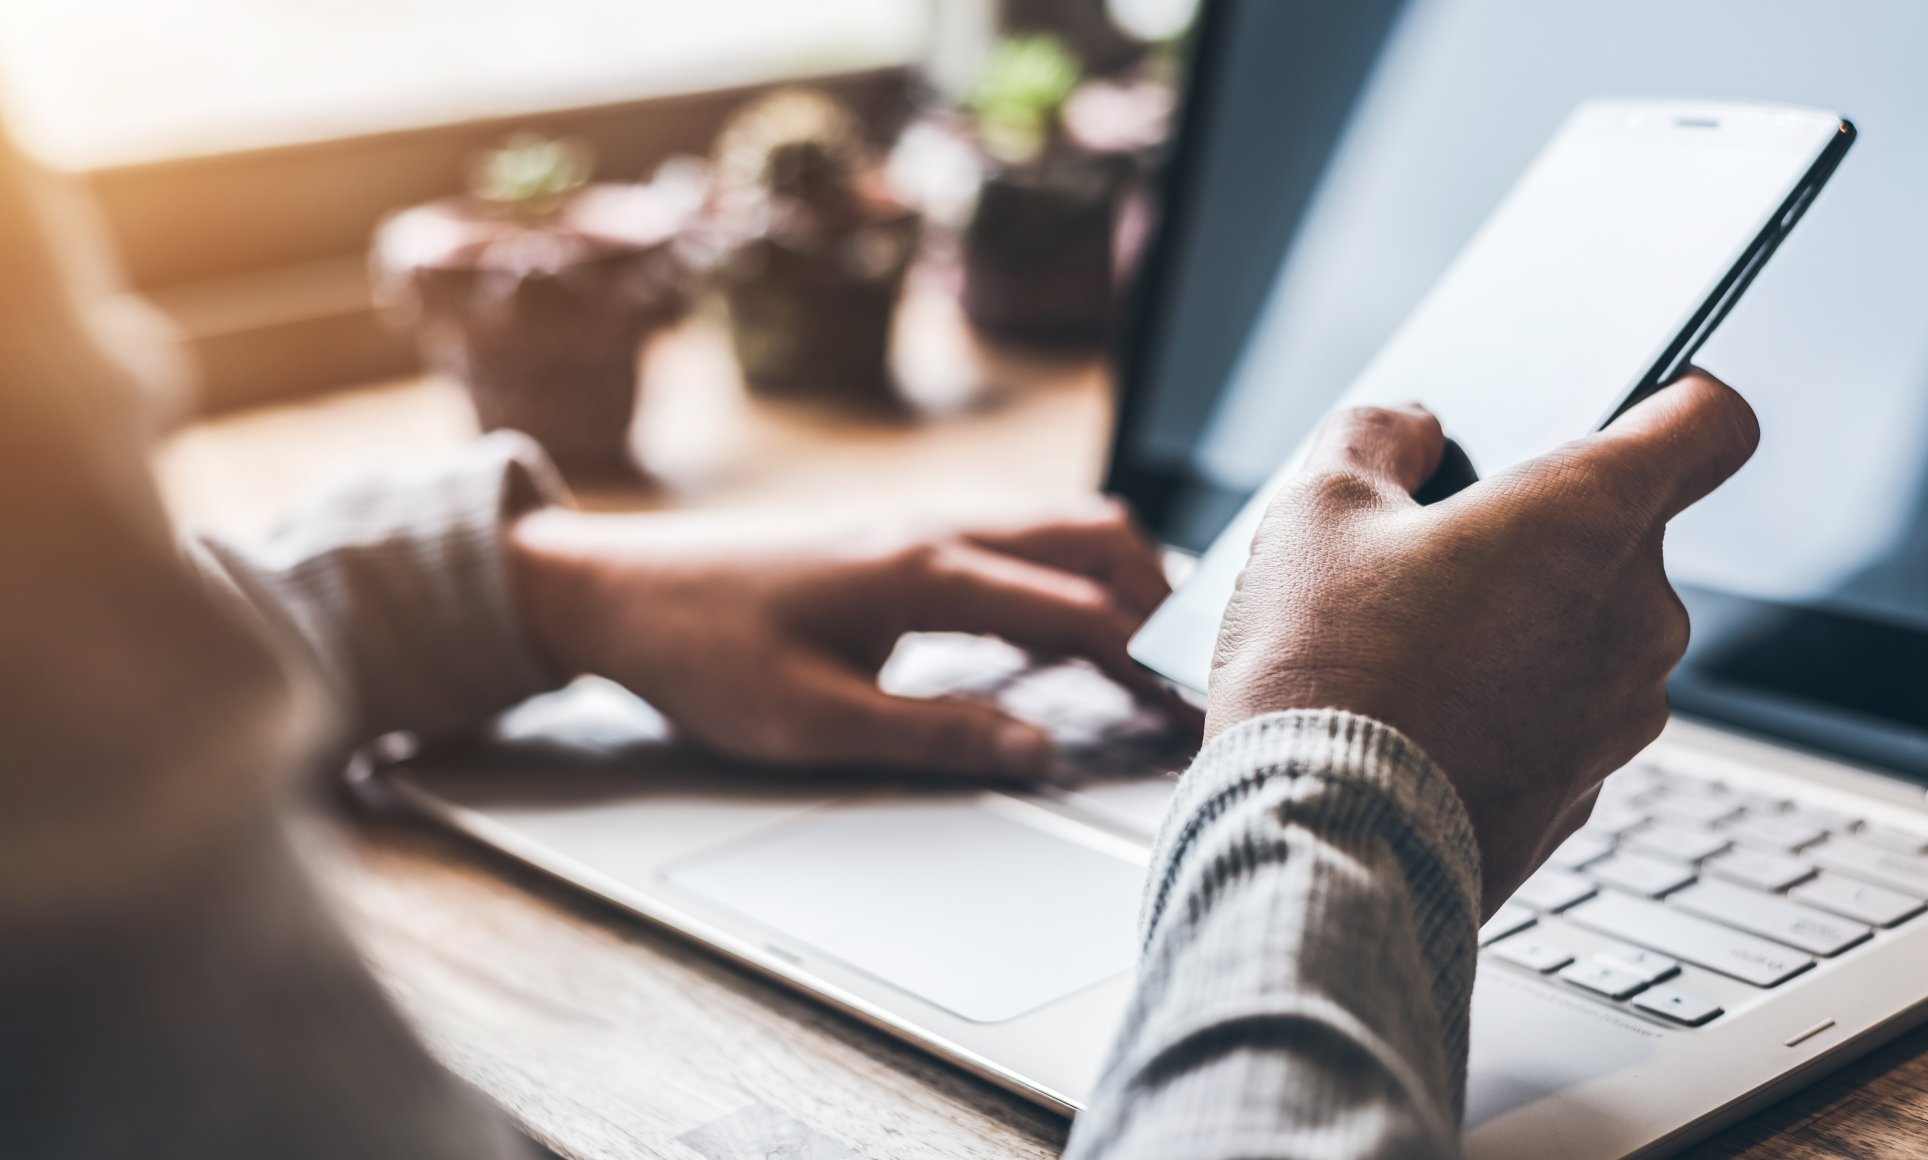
1256, 680
554, 588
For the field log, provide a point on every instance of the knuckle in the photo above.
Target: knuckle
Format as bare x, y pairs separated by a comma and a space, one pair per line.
1331, 490
1429, 424
1676, 628
881, 541
1086, 598
1088, 617
1369, 418
924, 558
1652, 717
1399, 426
1576, 499
1572, 478
959, 736
1640, 720
768, 737
1116, 514
783, 727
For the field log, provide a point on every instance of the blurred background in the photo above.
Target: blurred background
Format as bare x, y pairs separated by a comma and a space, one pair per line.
728, 253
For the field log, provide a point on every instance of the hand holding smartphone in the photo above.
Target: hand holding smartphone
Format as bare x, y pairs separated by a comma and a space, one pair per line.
1591, 285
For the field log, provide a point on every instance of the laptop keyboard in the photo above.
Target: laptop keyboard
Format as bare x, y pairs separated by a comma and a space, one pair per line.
1102, 734
1679, 869
1674, 874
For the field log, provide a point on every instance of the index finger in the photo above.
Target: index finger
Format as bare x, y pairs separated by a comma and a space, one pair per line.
1038, 607
1397, 448
1678, 444
1103, 543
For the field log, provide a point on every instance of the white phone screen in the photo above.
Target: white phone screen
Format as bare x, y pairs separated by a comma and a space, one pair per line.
1590, 268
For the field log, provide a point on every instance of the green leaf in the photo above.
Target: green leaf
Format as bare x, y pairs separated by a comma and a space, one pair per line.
1024, 85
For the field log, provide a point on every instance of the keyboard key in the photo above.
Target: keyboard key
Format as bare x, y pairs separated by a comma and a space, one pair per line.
1529, 952
1614, 821
1759, 869
1508, 919
1680, 782
1683, 936
1903, 872
1579, 850
1891, 838
1771, 917
1857, 900
1639, 874
1822, 818
1552, 890
1604, 978
1638, 777
1618, 793
1761, 803
1677, 1006
1663, 840
1689, 809
1772, 832
1649, 965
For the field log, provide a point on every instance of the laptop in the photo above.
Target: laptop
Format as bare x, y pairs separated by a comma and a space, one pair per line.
1746, 909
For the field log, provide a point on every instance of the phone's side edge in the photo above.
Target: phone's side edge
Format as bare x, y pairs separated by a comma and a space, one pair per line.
1675, 359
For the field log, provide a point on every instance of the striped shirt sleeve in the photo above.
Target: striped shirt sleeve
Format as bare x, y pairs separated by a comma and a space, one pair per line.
1310, 924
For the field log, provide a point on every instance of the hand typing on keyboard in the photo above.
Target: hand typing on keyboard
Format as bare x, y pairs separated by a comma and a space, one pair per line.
1520, 631
766, 642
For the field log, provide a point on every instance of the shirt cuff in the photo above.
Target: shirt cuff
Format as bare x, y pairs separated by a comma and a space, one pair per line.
400, 587
1335, 744
1408, 802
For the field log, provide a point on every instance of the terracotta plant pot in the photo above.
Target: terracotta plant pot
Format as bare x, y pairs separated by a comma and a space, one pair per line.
815, 320
1038, 256
1042, 249
541, 318
813, 248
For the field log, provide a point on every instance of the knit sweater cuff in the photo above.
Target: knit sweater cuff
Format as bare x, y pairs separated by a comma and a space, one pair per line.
1339, 746
478, 636
400, 587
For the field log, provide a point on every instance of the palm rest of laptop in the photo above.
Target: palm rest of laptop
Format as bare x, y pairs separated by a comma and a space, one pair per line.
997, 930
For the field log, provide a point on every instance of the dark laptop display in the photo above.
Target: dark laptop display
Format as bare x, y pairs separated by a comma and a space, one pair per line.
1335, 154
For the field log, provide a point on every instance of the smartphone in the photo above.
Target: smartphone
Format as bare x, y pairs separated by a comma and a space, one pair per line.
1591, 284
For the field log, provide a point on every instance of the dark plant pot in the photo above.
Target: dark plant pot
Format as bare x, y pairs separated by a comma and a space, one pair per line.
815, 320
1038, 255
552, 361
541, 322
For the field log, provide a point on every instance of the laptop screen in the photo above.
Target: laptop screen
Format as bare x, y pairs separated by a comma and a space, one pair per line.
1336, 154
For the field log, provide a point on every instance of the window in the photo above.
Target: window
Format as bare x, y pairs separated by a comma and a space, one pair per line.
100, 83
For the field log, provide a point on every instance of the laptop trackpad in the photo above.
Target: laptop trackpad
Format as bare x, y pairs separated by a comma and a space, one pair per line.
1533, 1043
983, 908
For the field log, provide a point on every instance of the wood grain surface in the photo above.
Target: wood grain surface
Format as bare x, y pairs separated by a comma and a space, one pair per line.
1876, 1106
606, 1038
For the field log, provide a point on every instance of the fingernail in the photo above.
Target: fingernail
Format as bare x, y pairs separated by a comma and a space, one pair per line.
1021, 748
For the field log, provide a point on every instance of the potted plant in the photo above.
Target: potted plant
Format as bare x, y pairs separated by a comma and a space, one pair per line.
1061, 159
814, 249
1038, 247
534, 290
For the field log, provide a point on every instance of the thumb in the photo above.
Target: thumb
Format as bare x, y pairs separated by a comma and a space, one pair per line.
1396, 447
1672, 448
857, 723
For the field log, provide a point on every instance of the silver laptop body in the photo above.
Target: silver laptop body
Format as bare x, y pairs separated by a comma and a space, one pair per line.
998, 930
1741, 916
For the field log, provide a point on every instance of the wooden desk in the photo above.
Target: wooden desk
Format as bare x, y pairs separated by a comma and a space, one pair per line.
989, 431
606, 1038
